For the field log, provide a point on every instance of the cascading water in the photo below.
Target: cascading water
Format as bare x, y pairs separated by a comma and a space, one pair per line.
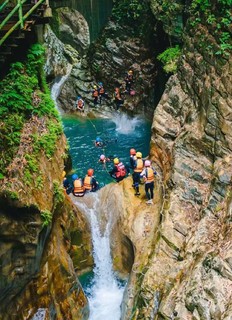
57, 86
105, 293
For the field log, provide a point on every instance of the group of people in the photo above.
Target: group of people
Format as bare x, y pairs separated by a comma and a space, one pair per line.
99, 93
78, 186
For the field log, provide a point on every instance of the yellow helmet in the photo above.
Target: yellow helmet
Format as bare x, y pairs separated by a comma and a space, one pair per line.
138, 154
116, 161
130, 71
95, 87
63, 174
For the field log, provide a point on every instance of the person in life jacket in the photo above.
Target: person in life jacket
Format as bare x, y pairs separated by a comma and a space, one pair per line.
138, 168
102, 93
80, 104
148, 174
66, 184
95, 95
132, 158
90, 182
119, 171
118, 98
129, 79
78, 187
99, 142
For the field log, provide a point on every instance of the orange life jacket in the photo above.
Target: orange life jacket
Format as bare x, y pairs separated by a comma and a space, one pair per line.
121, 170
87, 183
95, 93
78, 186
139, 165
149, 175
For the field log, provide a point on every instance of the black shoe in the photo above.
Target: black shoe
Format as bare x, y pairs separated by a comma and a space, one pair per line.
137, 194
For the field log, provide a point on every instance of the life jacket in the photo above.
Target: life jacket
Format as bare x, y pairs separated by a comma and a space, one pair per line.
88, 182
117, 95
149, 175
78, 186
95, 93
121, 170
80, 103
139, 165
101, 90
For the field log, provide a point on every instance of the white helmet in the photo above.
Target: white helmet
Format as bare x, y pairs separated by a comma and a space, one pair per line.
147, 163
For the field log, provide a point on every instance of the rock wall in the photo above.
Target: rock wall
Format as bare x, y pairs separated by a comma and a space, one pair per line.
186, 272
39, 257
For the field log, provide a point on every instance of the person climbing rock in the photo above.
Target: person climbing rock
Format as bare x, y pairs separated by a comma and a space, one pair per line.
95, 95
103, 159
78, 187
119, 171
118, 98
80, 104
148, 175
102, 93
90, 183
99, 142
129, 79
138, 168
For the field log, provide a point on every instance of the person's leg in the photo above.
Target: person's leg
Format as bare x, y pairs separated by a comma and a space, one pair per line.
147, 191
152, 189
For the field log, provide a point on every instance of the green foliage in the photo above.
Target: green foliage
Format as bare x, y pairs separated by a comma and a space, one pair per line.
17, 105
12, 195
46, 217
58, 193
169, 58
1, 176
134, 13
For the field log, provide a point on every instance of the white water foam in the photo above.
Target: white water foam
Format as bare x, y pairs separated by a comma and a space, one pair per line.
57, 86
125, 124
105, 294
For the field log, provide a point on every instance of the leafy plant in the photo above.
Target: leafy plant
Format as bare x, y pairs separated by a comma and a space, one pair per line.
46, 216
58, 193
169, 58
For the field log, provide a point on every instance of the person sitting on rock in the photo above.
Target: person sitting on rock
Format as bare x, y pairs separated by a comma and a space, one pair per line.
119, 170
80, 104
78, 186
148, 175
90, 182
66, 183
95, 95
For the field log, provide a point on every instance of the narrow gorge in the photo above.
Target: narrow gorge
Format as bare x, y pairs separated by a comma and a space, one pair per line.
109, 255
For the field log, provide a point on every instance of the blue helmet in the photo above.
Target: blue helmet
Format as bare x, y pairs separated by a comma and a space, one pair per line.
98, 139
100, 83
74, 176
78, 98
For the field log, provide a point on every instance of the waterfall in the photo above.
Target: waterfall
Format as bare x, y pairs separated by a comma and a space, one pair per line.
57, 86
105, 293
125, 124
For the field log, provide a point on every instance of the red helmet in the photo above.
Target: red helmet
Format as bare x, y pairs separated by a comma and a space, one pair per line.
132, 152
90, 172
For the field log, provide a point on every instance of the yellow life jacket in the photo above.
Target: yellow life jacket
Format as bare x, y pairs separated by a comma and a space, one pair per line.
78, 186
149, 175
87, 183
139, 165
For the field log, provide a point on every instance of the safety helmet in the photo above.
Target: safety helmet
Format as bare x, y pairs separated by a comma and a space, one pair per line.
130, 72
90, 172
100, 83
63, 174
147, 163
116, 161
74, 176
138, 154
102, 157
98, 139
78, 98
132, 152
95, 87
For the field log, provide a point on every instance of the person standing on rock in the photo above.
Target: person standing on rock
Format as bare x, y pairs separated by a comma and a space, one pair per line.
138, 168
148, 174
102, 93
95, 95
129, 79
118, 98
